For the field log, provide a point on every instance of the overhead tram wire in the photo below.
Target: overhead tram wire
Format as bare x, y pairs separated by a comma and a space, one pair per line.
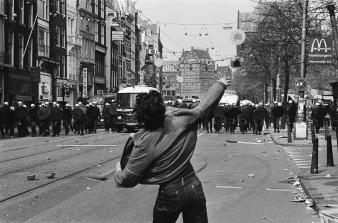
174, 52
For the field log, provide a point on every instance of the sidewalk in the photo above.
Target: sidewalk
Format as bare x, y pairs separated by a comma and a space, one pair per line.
321, 187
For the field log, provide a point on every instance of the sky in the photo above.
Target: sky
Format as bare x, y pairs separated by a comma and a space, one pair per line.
178, 19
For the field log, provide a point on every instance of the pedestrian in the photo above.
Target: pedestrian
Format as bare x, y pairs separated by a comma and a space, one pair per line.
162, 152
291, 112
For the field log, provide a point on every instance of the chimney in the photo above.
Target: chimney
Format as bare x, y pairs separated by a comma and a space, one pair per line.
192, 48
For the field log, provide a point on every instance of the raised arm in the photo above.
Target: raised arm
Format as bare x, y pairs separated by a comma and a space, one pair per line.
213, 96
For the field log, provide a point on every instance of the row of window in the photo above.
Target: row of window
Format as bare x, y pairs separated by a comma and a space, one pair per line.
20, 50
19, 15
92, 25
97, 6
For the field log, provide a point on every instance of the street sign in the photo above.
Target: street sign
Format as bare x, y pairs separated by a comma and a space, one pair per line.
237, 36
117, 35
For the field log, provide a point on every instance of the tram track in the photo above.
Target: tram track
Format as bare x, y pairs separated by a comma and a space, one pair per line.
48, 162
44, 152
70, 175
75, 137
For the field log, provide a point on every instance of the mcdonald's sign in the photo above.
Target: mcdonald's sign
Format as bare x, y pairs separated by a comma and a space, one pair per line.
320, 50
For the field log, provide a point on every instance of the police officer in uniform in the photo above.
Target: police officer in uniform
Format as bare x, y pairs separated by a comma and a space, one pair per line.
33, 118
67, 118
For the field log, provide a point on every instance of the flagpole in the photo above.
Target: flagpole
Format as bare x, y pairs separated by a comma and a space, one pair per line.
30, 34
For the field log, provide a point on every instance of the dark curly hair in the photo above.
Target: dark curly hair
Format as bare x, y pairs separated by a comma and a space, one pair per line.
150, 109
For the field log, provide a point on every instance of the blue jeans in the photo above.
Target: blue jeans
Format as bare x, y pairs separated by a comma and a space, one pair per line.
184, 195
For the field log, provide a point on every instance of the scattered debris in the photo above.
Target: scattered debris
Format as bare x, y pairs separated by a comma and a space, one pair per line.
298, 199
251, 175
328, 176
88, 188
31, 177
309, 202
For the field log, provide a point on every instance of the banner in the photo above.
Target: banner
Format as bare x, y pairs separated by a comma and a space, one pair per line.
84, 83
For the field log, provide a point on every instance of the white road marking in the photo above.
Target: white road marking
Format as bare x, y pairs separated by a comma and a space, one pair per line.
278, 189
87, 145
228, 187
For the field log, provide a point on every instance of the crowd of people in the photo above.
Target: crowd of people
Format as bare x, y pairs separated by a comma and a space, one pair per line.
252, 117
47, 119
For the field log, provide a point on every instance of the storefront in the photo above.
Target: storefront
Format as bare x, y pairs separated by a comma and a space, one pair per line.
19, 87
100, 85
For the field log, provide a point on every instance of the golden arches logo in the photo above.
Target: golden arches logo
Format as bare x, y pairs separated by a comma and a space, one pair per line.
319, 45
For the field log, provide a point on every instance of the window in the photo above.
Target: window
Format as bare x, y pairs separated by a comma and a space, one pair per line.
96, 28
11, 9
96, 7
102, 34
2, 41
21, 49
10, 47
58, 34
57, 6
62, 37
2, 4
62, 7
22, 11
43, 36
102, 8
30, 15
63, 66
30, 54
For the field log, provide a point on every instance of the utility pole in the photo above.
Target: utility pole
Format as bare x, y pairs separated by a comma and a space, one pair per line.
304, 31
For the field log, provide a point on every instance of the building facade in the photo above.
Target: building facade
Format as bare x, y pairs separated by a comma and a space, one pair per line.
99, 12
87, 57
170, 79
198, 72
20, 76
74, 45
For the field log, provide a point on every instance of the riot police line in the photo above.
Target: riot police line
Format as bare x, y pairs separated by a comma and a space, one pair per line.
47, 119
253, 117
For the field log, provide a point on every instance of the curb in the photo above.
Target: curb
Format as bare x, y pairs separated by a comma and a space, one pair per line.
287, 144
306, 191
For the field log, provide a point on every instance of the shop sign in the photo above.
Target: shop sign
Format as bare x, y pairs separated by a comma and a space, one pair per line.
100, 80
320, 51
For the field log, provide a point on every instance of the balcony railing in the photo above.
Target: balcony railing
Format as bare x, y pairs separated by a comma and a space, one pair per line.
75, 40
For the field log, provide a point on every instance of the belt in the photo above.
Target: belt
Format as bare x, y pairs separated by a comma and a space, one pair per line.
181, 181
